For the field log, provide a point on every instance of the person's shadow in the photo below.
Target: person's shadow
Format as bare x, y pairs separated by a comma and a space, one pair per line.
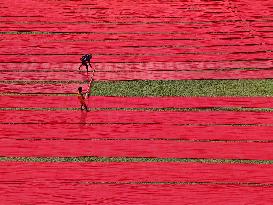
84, 75
83, 117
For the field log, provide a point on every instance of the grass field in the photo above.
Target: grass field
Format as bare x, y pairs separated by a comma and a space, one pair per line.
180, 110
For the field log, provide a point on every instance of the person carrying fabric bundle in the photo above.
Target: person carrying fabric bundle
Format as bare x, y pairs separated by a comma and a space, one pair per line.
82, 98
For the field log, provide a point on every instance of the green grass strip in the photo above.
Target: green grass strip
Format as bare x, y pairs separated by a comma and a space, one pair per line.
184, 88
159, 88
133, 159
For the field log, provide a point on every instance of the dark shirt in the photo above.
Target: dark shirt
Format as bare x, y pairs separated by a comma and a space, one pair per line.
86, 57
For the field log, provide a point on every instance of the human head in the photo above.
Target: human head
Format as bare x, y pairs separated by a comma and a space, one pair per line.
80, 89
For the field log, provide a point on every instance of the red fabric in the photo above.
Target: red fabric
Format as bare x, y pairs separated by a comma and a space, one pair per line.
137, 148
168, 117
149, 57
142, 131
133, 75
134, 172
135, 102
89, 194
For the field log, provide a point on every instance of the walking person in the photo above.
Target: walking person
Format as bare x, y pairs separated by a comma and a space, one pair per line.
81, 98
85, 59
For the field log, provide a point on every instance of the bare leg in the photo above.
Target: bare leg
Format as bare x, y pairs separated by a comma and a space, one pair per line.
80, 66
85, 106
